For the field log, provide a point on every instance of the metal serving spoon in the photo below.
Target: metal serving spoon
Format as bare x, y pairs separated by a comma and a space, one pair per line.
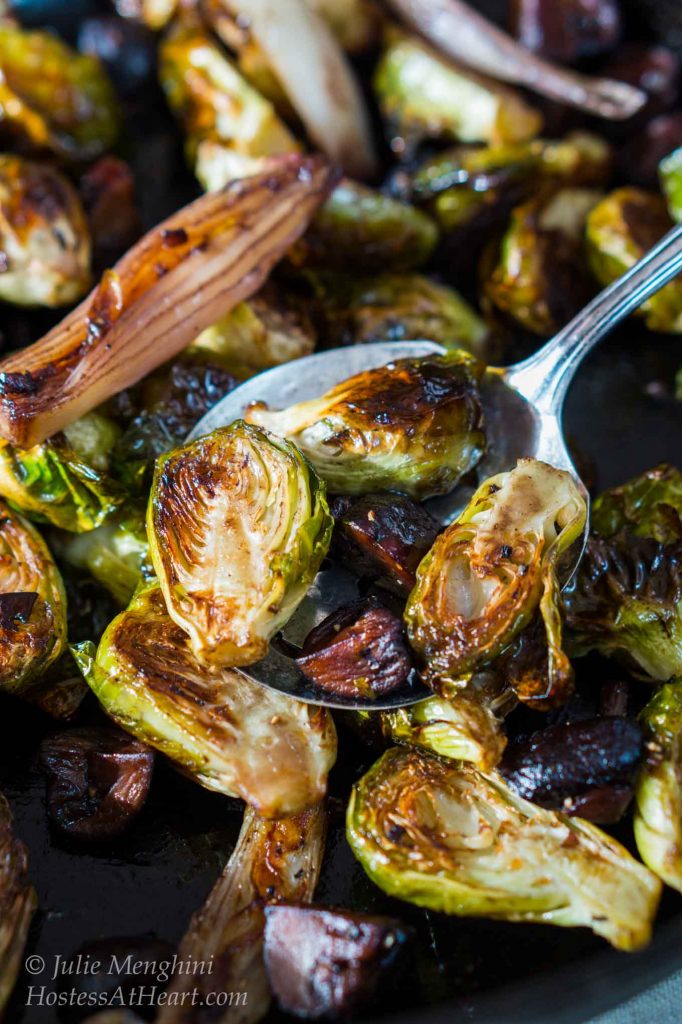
523, 407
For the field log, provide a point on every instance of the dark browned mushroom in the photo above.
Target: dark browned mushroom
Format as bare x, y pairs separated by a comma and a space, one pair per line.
566, 30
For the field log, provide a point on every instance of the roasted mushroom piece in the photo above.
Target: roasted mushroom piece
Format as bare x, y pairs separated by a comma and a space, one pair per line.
489, 571
97, 781
567, 30
238, 525
227, 732
415, 426
328, 963
445, 836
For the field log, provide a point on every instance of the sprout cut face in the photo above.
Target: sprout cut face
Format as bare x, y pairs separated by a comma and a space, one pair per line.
226, 731
489, 571
414, 426
445, 836
238, 525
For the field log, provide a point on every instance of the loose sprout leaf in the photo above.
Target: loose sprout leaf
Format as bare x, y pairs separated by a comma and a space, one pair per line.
621, 229
17, 904
414, 426
238, 524
229, 733
44, 236
658, 793
445, 836
32, 605
64, 481
52, 98
490, 570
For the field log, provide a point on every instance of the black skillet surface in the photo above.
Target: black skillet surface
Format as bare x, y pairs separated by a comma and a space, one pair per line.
622, 414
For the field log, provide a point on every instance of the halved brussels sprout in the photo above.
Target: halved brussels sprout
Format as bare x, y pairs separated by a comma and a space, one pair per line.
489, 571
541, 279
395, 307
54, 98
415, 426
216, 104
658, 794
359, 229
115, 554
620, 230
670, 171
445, 836
263, 332
238, 524
44, 236
229, 733
463, 726
421, 95
18, 903
32, 604
64, 481
626, 598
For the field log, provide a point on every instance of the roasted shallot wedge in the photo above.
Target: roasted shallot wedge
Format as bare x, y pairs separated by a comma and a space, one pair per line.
180, 278
458, 31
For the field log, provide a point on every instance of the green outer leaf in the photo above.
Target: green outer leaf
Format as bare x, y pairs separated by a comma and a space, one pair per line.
443, 835
658, 792
670, 172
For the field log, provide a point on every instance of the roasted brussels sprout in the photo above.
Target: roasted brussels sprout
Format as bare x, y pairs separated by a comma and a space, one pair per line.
273, 860
422, 95
359, 229
626, 598
670, 171
226, 731
52, 98
18, 903
329, 963
238, 525
620, 230
490, 570
44, 238
32, 605
658, 794
263, 332
64, 481
174, 399
115, 554
216, 104
463, 726
415, 425
395, 307
97, 781
445, 836
541, 279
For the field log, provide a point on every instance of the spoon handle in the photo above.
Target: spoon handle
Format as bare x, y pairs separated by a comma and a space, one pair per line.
544, 378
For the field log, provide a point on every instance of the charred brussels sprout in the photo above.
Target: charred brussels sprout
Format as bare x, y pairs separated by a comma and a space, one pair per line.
229, 733
395, 307
217, 105
620, 230
490, 570
52, 98
18, 903
32, 605
115, 554
238, 525
415, 426
540, 279
422, 95
263, 332
65, 480
626, 599
670, 171
44, 237
447, 837
658, 794
359, 229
